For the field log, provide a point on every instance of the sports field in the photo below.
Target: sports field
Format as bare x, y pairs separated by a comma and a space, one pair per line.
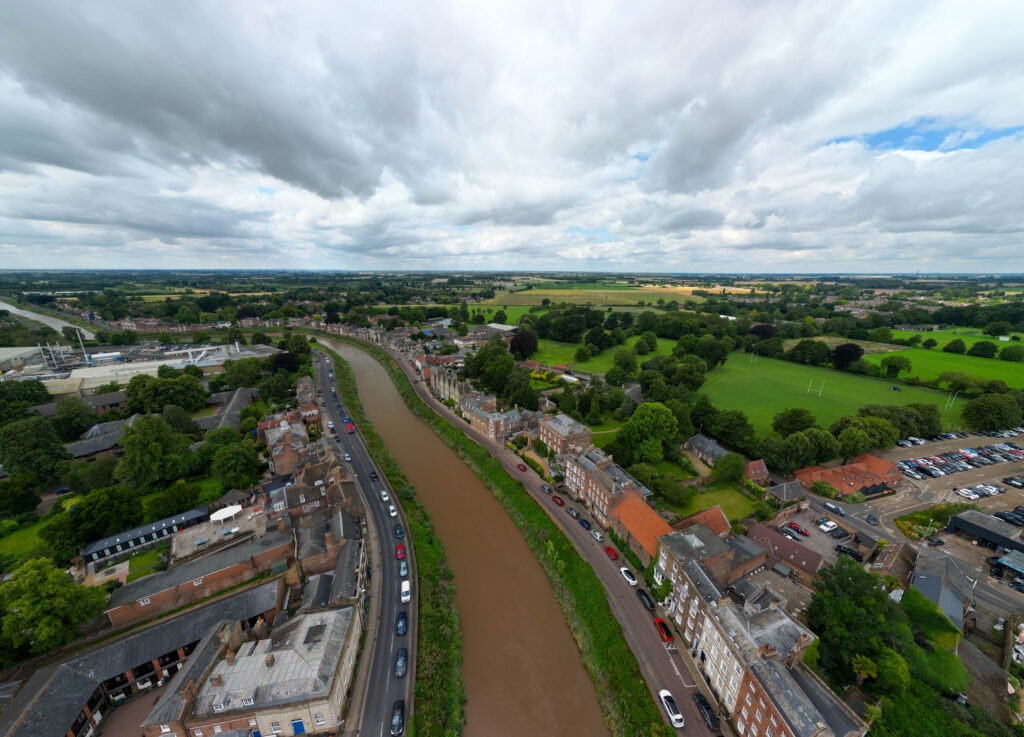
553, 353
765, 387
927, 364
969, 336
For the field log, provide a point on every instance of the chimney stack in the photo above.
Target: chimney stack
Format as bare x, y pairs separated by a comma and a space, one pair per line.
216, 680
269, 660
230, 657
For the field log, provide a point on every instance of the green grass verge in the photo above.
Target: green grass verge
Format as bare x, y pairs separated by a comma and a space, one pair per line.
623, 695
440, 692
765, 387
928, 364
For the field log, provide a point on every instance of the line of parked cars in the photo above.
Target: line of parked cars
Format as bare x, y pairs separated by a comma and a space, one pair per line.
964, 459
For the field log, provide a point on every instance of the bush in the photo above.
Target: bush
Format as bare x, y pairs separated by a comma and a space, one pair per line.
825, 489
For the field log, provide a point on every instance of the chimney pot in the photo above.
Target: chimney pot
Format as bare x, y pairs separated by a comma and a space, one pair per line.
269, 660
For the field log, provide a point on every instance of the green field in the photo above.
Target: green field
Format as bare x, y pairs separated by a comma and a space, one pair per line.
600, 296
553, 353
927, 364
21, 542
969, 336
765, 387
512, 312
734, 502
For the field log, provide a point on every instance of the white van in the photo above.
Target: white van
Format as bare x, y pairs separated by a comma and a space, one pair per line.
596, 534
406, 592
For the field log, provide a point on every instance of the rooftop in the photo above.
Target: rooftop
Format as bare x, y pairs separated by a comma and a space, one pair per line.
694, 543
135, 532
643, 523
766, 631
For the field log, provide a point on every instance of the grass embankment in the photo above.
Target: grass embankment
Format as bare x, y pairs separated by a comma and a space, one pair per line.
440, 693
622, 693
765, 387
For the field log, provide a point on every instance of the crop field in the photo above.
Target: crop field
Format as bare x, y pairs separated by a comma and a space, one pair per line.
969, 336
553, 353
765, 387
927, 364
600, 296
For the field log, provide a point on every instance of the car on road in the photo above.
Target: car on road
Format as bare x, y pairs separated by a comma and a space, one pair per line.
628, 575
663, 630
374, 476
872, 519
573, 513
402, 624
645, 599
401, 663
348, 458
521, 467
399, 532
545, 488
558, 500
330, 425
797, 528
584, 524
1017, 585
403, 568
934, 541
707, 713
610, 552
399, 551
668, 703
398, 718
405, 592
392, 512
827, 526
384, 496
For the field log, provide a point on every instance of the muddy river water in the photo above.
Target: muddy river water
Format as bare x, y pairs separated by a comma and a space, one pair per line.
522, 669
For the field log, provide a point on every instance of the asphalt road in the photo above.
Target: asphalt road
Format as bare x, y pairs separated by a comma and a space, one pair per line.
383, 688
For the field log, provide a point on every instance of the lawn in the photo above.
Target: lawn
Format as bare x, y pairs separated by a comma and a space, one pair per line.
142, 564
927, 364
734, 503
205, 412
21, 542
553, 353
765, 387
512, 312
969, 336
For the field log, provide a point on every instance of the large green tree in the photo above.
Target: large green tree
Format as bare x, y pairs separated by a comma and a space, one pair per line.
43, 608
72, 417
793, 420
895, 365
153, 453
646, 431
844, 354
729, 468
236, 465
992, 412
32, 446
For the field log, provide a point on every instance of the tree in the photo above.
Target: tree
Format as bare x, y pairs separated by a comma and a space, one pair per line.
893, 673
625, 361
43, 608
32, 446
853, 441
893, 365
523, 344
72, 417
236, 465
243, 372
84, 476
992, 412
1013, 353
984, 349
500, 317
954, 346
179, 420
845, 354
929, 343
733, 427
582, 354
810, 352
298, 346
153, 453
793, 420
644, 434
729, 468
18, 495
995, 329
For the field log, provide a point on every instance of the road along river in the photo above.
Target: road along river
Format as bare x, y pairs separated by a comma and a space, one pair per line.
522, 669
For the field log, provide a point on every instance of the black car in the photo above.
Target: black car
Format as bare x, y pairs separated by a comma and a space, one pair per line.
707, 712
374, 476
935, 541
645, 599
398, 718
1017, 585
402, 623
872, 519
852, 552
997, 572
839, 533
399, 531
401, 663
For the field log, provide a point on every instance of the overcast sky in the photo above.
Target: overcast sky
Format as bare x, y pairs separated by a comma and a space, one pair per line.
729, 136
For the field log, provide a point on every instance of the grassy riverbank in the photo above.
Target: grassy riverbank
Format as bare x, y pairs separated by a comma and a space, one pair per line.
623, 695
440, 693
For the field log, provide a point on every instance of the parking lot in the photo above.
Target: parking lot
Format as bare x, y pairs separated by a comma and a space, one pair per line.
818, 540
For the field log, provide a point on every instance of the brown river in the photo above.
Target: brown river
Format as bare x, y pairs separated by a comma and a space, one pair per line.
522, 669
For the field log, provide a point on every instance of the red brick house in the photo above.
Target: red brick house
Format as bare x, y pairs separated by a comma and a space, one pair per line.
637, 525
757, 472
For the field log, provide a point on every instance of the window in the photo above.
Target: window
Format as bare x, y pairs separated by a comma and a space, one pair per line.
754, 729
319, 719
748, 699
195, 732
144, 601
216, 729
769, 732
252, 722
774, 721
247, 702
758, 715
167, 728
275, 727
761, 703
197, 581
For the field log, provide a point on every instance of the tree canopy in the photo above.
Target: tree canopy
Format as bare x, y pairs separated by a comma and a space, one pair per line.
32, 446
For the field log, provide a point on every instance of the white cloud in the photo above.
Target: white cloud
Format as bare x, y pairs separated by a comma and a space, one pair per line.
670, 137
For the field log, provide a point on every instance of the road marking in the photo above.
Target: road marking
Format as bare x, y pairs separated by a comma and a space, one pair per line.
672, 661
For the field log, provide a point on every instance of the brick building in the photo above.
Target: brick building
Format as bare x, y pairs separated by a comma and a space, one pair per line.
482, 413
597, 481
561, 432
787, 557
867, 474
637, 525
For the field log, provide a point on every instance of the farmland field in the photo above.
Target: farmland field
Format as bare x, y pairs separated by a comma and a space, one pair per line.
764, 388
969, 336
553, 353
927, 364
600, 296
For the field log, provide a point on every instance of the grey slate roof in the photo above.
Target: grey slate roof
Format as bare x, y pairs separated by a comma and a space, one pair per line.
230, 414
194, 568
122, 537
99, 438
96, 400
52, 698
701, 443
791, 692
943, 582
346, 572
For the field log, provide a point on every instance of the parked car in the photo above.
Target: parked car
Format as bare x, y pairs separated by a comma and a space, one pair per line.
645, 599
558, 500
628, 575
839, 533
1017, 585
797, 528
584, 524
934, 541
828, 526
610, 552
851, 552
572, 513
668, 703
399, 551
401, 663
521, 466
402, 624
707, 713
663, 630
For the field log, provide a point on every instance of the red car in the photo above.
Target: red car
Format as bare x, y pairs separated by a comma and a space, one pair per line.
610, 552
521, 467
663, 630
797, 528
399, 551
558, 500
